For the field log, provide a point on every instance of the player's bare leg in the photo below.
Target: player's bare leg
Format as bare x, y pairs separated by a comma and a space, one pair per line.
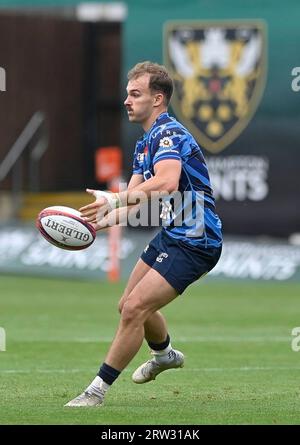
94, 393
164, 356
155, 326
151, 293
139, 271
156, 334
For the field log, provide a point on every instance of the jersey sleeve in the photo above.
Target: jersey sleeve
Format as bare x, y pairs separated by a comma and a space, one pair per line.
166, 146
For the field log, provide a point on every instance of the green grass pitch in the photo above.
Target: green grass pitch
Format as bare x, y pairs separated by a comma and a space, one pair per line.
240, 367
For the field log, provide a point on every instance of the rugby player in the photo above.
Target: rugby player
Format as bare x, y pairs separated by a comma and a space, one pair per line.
167, 160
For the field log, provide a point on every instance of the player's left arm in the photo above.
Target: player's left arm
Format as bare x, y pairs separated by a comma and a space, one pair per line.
165, 181
103, 212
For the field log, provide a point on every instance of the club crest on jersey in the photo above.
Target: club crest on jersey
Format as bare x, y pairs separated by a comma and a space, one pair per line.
219, 71
166, 142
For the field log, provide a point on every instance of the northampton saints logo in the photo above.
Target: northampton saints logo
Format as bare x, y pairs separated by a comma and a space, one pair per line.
219, 71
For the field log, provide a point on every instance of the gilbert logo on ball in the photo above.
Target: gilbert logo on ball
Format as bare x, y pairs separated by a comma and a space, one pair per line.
63, 227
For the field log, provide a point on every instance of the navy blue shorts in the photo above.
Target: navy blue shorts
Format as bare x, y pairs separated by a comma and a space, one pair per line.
179, 263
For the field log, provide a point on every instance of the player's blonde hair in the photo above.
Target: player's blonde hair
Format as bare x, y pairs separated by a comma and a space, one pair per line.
160, 79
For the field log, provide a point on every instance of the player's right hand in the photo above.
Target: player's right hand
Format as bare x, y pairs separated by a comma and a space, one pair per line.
104, 203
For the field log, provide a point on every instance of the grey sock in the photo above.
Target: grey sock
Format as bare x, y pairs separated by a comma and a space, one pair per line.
164, 355
97, 387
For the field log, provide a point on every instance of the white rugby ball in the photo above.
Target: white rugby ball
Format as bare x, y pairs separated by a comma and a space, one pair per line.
64, 227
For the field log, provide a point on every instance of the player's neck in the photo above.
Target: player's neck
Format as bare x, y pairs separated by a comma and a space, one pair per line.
150, 121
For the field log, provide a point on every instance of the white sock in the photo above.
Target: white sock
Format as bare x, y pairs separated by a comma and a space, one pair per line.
162, 356
97, 387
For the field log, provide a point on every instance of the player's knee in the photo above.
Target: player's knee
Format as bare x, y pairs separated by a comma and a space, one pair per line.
122, 302
131, 312
120, 306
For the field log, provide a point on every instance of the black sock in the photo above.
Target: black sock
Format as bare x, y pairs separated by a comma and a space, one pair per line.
160, 346
108, 374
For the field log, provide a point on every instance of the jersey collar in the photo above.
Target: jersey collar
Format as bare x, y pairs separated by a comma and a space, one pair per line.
158, 121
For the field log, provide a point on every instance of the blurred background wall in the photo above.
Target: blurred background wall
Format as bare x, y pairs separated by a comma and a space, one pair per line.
70, 70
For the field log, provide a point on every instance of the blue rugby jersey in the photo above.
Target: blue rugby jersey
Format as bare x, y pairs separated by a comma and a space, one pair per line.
193, 219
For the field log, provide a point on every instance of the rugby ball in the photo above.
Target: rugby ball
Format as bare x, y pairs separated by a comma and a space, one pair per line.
63, 227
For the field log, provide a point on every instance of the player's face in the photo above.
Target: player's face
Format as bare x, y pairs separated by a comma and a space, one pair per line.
140, 101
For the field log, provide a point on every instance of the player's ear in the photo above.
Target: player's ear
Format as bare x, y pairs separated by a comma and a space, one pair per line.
158, 99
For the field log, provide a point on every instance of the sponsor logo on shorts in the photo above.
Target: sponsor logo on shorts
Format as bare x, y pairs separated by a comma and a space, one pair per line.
161, 257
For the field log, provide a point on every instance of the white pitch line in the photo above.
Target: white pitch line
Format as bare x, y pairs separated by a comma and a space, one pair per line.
212, 339
42, 371
233, 339
267, 339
